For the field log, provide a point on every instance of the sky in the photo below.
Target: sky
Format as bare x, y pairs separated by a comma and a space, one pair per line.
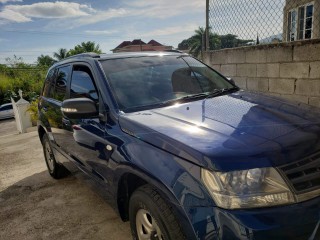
31, 28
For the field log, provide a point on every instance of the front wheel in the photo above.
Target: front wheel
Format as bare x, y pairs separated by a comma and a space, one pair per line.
151, 217
55, 169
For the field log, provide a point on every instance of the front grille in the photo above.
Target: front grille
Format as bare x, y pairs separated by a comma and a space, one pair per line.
304, 175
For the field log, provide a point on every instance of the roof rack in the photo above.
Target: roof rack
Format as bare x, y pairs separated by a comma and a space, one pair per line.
83, 55
174, 51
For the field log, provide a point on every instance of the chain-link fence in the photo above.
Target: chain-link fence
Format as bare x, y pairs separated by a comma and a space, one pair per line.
238, 23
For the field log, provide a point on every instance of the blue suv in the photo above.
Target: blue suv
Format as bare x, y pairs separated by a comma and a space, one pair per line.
180, 150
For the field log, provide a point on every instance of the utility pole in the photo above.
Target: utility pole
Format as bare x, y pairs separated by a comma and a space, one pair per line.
207, 25
203, 39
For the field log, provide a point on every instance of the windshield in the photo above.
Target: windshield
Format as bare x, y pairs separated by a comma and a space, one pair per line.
147, 82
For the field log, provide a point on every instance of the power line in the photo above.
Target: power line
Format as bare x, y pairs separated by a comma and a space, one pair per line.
26, 51
55, 33
67, 34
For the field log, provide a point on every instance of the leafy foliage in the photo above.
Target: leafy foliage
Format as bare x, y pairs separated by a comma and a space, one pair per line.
195, 43
16, 74
19, 75
45, 61
61, 54
85, 47
33, 110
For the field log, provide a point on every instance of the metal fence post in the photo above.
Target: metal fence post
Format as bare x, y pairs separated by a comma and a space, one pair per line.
207, 26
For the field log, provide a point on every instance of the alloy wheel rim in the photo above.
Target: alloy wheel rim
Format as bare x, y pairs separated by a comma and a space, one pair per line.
147, 227
49, 156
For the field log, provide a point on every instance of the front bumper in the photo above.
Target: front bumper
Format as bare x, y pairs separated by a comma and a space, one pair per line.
296, 221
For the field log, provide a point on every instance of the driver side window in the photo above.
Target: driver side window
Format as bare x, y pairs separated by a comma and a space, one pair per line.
82, 83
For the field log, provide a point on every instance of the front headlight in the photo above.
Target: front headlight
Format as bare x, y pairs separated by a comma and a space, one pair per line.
258, 187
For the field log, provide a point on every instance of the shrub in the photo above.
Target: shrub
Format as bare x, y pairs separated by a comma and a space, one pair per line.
33, 110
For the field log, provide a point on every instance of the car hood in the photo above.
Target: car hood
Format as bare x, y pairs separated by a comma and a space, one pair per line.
238, 131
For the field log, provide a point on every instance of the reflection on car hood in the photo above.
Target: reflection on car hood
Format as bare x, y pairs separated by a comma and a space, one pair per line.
236, 131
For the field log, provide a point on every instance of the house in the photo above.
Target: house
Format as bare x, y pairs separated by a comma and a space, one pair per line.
138, 45
301, 20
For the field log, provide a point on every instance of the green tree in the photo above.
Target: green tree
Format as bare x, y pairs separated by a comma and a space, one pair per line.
184, 45
85, 47
231, 41
45, 61
16, 61
194, 43
61, 54
15, 75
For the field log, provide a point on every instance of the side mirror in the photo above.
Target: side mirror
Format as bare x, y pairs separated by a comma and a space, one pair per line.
231, 81
77, 108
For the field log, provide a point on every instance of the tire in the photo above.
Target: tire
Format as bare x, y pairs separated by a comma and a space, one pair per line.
55, 169
151, 217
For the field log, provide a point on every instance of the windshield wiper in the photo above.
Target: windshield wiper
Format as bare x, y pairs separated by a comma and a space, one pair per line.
218, 92
192, 96
187, 97
205, 95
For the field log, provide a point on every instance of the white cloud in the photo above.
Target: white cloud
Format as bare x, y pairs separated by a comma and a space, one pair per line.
100, 32
166, 8
70, 15
5, 1
175, 5
100, 16
189, 28
13, 16
24, 13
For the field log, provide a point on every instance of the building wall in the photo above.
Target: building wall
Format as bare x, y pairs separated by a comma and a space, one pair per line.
288, 70
291, 4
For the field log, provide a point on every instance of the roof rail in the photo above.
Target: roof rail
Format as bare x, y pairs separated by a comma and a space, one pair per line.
83, 55
174, 51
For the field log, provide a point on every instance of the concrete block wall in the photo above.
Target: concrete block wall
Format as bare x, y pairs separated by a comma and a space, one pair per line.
288, 70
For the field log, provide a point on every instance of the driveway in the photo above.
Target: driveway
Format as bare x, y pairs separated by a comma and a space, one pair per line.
35, 206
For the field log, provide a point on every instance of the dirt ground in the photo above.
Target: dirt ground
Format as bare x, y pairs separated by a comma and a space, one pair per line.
35, 206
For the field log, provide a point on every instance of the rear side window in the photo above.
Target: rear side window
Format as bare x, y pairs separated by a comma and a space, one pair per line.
61, 83
56, 83
49, 84
82, 83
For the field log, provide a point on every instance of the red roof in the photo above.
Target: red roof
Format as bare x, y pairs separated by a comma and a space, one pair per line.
155, 43
124, 44
138, 42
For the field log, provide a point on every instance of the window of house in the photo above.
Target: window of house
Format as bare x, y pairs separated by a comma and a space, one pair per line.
300, 22
82, 84
292, 25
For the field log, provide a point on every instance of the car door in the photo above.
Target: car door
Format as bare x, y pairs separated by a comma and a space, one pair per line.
86, 137
6, 111
10, 111
2, 112
54, 93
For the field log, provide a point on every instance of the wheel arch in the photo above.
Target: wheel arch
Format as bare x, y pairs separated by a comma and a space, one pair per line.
41, 132
125, 190
130, 181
